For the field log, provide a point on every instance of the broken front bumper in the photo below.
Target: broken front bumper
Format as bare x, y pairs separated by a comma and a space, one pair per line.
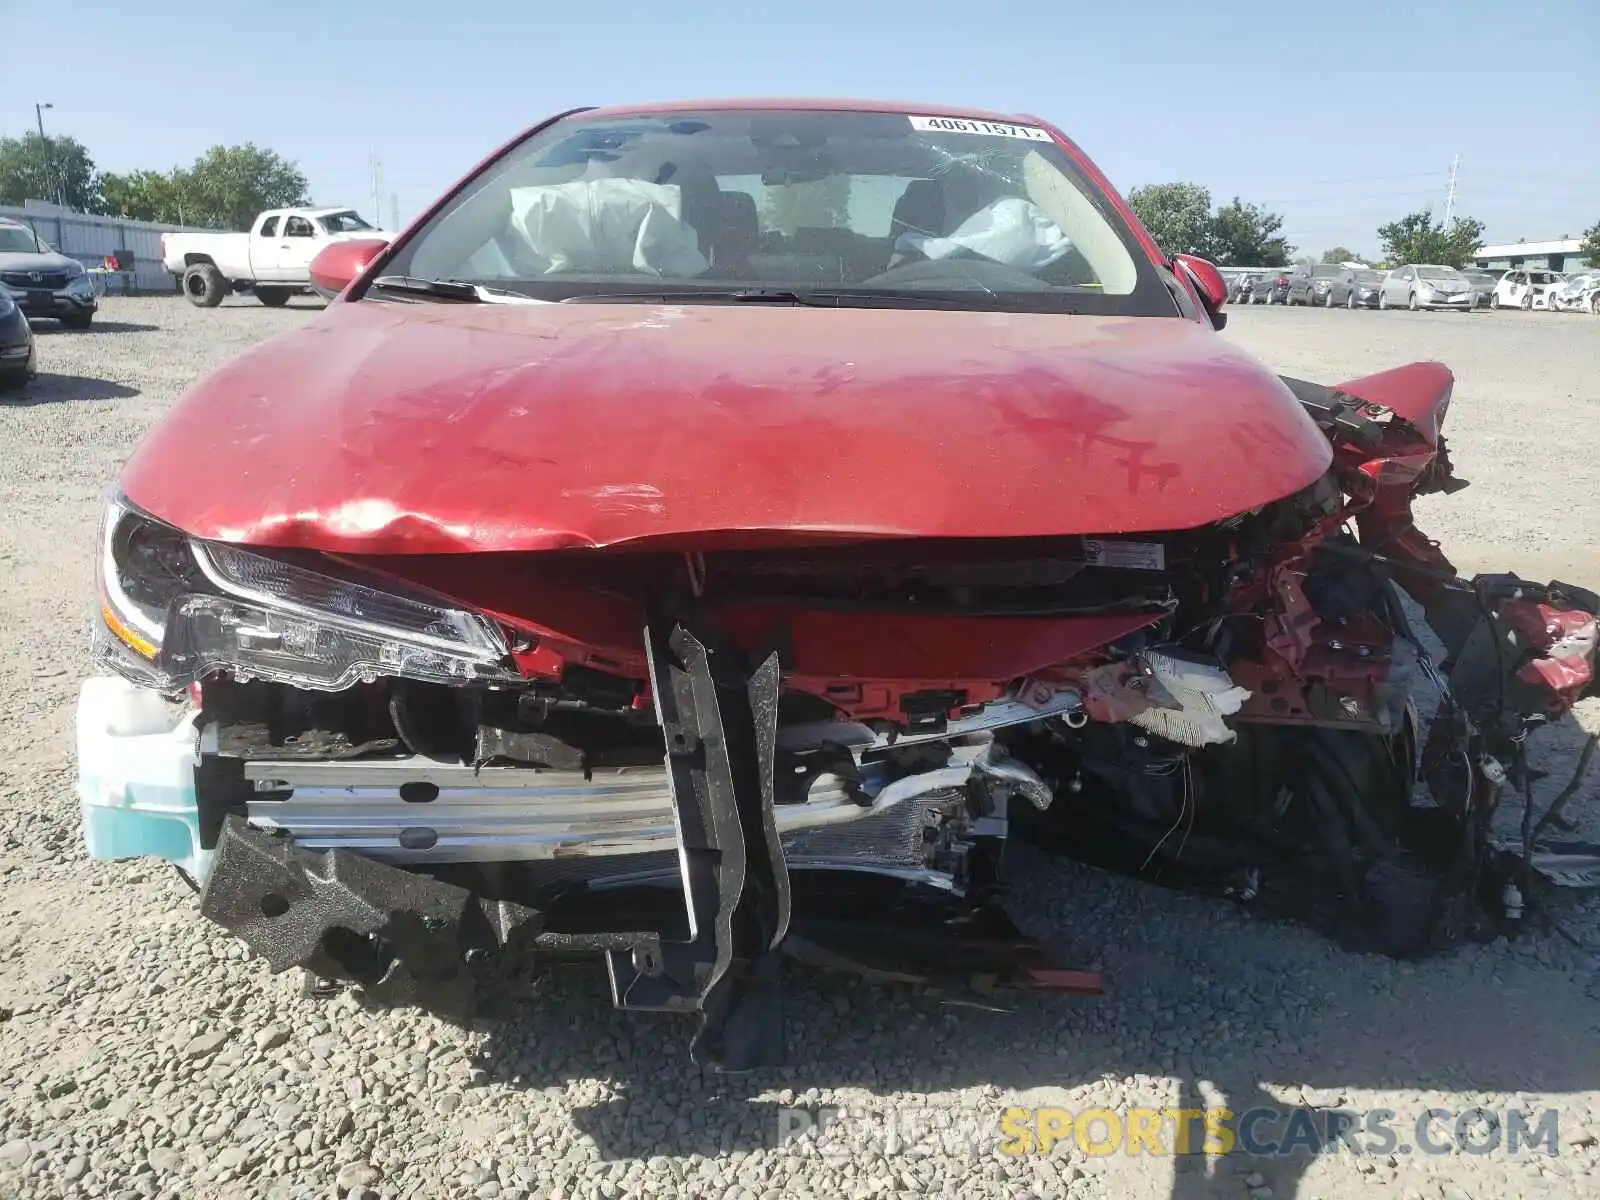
338, 869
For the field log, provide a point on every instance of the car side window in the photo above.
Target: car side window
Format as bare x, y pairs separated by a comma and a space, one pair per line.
298, 227
269, 227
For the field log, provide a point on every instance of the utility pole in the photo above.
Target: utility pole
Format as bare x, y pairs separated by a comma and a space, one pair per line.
1450, 192
377, 206
394, 212
52, 177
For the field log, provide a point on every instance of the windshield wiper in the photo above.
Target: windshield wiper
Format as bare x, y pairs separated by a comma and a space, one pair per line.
812, 298
438, 289
452, 289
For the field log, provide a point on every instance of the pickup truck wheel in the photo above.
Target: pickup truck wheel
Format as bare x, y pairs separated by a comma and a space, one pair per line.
204, 285
273, 297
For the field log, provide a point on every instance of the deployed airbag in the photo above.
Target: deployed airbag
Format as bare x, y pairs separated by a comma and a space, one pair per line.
1011, 230
607, 226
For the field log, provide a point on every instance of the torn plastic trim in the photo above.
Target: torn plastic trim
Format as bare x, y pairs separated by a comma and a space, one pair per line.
720, 725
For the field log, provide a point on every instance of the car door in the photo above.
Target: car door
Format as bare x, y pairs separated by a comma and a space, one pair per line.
264, 246
1515, 284
298, 245
1339, 289
1396, 286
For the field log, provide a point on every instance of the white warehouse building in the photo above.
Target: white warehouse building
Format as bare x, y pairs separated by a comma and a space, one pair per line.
1556, 254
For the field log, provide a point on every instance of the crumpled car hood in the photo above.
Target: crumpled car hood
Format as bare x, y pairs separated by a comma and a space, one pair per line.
395, 428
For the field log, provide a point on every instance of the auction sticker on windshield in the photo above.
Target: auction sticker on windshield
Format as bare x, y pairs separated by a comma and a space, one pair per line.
1031, 133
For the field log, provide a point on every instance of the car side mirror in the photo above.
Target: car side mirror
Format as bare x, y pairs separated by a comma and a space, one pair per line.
339, 264
1208, 282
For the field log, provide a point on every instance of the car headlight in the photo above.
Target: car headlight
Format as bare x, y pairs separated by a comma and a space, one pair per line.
74, 269
174, 610
7, 304
81, 284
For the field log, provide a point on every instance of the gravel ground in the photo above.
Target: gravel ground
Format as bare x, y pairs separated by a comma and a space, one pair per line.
143, 1054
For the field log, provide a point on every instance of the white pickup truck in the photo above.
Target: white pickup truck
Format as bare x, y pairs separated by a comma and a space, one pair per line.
273, 260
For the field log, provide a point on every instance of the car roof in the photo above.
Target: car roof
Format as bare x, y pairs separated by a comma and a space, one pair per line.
807, 104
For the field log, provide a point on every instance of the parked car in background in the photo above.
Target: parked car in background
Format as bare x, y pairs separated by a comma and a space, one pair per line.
42, 282
1355, 288
1579, 292
1271, 288
17, 358
1312, 285
273, 260
1482, 285
1525, 287
1239, 293
1424, 285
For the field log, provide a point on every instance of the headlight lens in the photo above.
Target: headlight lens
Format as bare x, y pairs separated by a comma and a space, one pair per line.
145, 567
175, 610
7, 304
74, 269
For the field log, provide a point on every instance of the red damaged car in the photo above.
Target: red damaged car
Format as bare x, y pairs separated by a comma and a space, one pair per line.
713, 528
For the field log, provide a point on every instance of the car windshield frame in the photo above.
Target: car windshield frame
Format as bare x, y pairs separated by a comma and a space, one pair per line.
36, 248
1013, 167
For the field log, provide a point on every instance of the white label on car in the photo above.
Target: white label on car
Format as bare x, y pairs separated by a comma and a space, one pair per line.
1028, 133
1133, 556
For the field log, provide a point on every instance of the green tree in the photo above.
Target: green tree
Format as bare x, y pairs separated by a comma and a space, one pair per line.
141, 195
1245, 235
50, 168
1340, 254
228, 185
1177, 216
1590, 246
1419, 238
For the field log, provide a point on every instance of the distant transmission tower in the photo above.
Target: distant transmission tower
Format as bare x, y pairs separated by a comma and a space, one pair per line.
394, 211
1450, 192
377, 204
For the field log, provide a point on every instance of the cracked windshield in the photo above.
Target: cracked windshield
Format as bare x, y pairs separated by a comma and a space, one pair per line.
870, 202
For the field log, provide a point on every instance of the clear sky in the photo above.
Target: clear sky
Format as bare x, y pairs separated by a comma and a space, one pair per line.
1340, 114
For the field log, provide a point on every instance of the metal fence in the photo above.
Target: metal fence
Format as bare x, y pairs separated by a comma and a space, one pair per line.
89, 239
